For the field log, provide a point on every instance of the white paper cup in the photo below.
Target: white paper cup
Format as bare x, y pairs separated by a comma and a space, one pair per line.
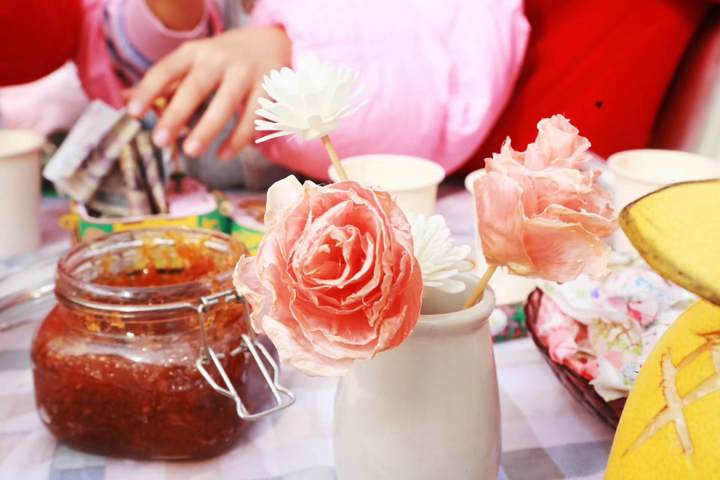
413, 180
509, 289
639, 172
19, 191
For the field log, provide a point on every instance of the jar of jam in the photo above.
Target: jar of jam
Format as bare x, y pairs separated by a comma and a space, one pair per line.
148, 352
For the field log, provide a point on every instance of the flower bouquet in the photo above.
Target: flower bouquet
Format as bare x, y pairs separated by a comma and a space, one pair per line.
345, 283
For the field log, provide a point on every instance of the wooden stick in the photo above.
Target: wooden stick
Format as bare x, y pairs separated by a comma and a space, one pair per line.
481, 286
334, 158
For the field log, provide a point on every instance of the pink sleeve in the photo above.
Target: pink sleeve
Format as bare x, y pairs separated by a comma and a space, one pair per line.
120, 39
93, 59
436, 75
154, 40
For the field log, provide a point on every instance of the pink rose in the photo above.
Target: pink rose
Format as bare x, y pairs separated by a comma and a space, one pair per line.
557, 144
560, 143
548, 219
335, 279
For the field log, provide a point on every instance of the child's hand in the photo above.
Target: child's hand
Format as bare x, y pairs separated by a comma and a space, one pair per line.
231, 66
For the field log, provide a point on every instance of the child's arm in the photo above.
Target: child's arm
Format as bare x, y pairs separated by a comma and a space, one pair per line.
179, 15
121, 39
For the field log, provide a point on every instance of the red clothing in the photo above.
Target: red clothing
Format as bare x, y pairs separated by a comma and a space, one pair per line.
36, 37
604, 64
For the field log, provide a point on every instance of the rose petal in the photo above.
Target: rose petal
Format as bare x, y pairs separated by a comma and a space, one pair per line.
592, 222
282, 196
561, 251
247, 283
498, 202
561, 142
296, 351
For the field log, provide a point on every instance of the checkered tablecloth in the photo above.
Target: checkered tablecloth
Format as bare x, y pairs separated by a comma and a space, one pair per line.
545, 433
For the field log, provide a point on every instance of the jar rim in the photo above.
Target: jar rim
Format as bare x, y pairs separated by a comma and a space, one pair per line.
68, 283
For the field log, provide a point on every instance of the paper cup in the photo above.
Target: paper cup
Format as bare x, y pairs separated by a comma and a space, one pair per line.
20, 152
413, 180
509, 289
639, 172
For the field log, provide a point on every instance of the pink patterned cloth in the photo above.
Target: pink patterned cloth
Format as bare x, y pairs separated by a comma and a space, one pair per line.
565, 338
603, 329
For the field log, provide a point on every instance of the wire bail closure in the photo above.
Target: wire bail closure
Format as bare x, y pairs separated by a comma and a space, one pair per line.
282, 396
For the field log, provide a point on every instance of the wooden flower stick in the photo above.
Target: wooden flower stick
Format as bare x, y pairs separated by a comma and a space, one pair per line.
481, 286
334, 157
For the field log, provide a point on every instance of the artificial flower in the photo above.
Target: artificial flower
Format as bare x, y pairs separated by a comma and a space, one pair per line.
539, 214
439, 259
335, 279
557, 144
308, 102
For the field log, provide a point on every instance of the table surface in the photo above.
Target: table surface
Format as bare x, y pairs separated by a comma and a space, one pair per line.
545, 433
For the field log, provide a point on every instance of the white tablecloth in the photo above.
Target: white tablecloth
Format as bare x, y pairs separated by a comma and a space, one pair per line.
545, 433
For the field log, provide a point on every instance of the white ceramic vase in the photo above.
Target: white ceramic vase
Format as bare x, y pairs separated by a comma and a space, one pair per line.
428, 409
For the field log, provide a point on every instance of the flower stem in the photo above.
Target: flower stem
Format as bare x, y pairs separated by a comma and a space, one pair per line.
334, 157
481, 286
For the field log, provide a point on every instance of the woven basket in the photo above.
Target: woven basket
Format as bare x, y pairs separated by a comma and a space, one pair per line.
578, 386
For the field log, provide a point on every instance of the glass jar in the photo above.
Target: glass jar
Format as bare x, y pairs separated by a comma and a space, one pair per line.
148, 352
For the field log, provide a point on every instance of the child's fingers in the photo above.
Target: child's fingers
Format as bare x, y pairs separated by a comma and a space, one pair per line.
243, 133
192, 92
219, 113
158, 78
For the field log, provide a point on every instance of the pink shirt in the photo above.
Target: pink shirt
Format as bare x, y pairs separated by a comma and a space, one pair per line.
435, 74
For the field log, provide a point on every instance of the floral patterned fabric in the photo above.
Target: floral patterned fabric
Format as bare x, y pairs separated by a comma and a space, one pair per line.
604, 329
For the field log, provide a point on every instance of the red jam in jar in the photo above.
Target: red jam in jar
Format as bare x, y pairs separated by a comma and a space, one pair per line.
123, 383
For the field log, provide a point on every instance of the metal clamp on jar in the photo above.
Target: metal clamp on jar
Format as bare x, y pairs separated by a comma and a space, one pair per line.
149, 352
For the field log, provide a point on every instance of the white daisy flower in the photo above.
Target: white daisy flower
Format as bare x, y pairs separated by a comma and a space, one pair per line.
308, 102
439, 259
